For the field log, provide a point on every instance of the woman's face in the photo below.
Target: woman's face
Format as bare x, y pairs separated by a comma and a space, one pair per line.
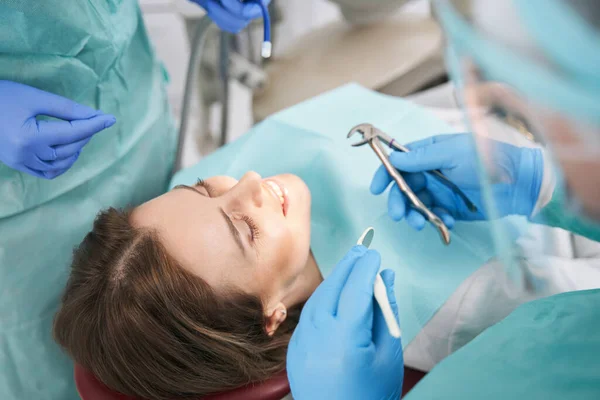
252, 234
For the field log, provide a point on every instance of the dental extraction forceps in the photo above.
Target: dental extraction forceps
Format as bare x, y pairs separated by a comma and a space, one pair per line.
374, 137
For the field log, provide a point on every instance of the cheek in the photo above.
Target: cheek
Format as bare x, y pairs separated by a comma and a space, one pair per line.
559, 134
283, 256
584, 183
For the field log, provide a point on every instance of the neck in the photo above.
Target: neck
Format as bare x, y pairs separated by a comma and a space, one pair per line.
305, 284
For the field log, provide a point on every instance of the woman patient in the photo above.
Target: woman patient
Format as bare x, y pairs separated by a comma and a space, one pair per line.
194, 292
199, 290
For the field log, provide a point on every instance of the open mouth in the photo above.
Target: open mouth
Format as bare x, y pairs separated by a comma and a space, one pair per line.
280, 192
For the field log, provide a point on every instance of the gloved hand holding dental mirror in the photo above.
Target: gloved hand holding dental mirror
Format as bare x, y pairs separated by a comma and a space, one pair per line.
344, 343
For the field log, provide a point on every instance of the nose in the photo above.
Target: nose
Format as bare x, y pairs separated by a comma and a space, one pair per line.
249, 188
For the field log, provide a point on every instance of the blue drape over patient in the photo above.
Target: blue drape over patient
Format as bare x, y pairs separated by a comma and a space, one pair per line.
309, 140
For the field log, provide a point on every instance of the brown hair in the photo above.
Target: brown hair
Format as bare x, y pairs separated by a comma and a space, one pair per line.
146, 327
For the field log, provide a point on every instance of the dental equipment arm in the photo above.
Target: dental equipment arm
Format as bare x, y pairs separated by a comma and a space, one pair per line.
341, 348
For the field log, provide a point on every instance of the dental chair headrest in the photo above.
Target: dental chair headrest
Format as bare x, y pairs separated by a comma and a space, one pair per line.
276, 388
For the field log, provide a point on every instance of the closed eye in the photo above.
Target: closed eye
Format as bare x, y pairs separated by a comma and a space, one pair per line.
252, 226
254, 231
209, 189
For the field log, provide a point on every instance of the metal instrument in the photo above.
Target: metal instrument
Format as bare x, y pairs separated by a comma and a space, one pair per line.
375, 137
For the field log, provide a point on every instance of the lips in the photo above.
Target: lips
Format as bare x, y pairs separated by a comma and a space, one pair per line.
280, 193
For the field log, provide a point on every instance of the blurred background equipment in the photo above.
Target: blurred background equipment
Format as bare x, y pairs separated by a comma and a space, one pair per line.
392, 46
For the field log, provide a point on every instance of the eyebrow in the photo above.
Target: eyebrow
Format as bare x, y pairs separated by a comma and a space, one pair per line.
234, 232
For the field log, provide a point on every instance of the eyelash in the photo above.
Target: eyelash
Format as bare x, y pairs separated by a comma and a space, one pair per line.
202, 183
252, 225
254, 231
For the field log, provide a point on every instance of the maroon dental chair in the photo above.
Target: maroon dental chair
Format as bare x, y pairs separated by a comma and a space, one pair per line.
276, 388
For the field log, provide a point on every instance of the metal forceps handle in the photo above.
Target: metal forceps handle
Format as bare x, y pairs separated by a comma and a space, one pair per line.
440, 177
415, 202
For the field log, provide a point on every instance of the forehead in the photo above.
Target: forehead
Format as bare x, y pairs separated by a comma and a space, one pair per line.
194, 232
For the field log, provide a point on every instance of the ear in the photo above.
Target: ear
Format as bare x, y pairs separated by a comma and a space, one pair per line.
275, 318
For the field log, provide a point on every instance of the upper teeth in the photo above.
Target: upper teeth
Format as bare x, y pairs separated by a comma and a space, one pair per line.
277, 191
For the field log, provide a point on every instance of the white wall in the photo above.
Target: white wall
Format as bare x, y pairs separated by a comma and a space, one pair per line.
302, 16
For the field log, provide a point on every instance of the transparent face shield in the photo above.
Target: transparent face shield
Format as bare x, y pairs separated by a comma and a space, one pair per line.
519, 83
498, 111
519, 92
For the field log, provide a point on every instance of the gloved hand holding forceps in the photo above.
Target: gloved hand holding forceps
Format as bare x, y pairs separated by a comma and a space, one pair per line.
519, 171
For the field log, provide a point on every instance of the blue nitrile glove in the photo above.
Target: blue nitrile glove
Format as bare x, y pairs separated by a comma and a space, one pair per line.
518, 177
231, 15
341, 348
45, 149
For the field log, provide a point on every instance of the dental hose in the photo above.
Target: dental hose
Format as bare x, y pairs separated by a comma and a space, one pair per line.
267, 46
224, 52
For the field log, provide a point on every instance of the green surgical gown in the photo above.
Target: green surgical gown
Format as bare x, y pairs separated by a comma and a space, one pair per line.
548, 349
95, 52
